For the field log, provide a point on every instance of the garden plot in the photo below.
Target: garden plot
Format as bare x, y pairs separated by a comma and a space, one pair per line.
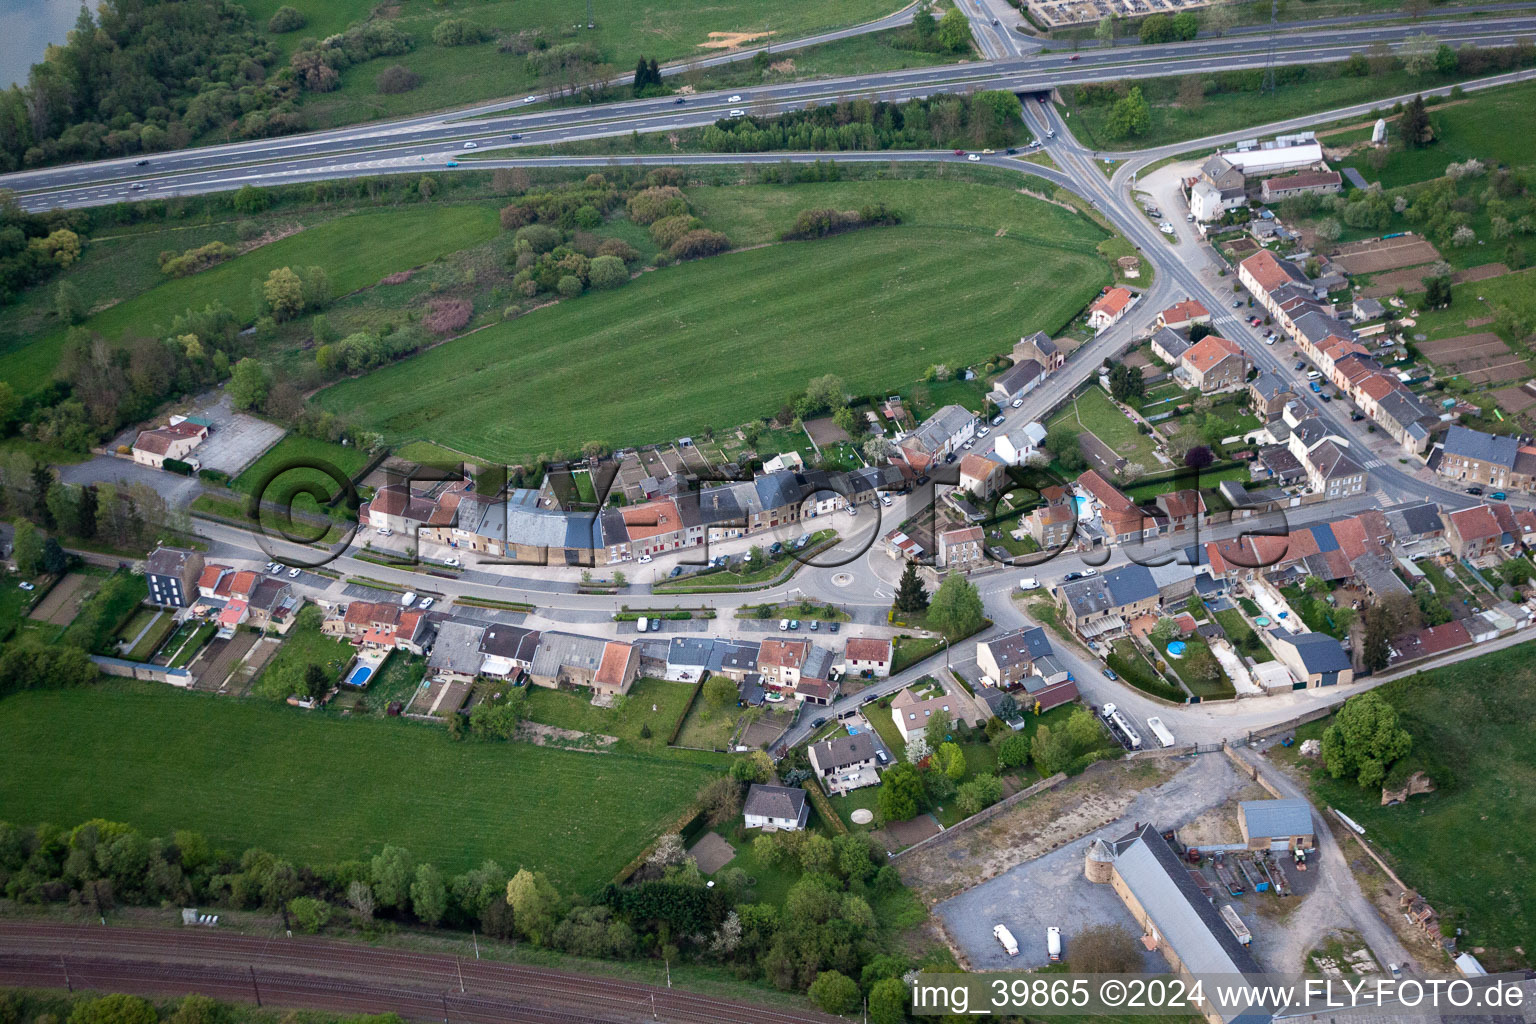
1378, 254
64, 600
1481, 358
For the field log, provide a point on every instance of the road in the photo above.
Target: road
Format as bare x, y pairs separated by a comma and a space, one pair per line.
338, 976
435, 139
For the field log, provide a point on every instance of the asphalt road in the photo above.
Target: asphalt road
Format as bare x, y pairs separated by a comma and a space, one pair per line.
434, 140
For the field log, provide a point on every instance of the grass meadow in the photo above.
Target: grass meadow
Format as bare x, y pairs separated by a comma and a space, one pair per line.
320, 789
355, 251
724, 340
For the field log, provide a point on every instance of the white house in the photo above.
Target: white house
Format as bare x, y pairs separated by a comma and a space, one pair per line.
868, 654
1014, 446
775, 807
912, 714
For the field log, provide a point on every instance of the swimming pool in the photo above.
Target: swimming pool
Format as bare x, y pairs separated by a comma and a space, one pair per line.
1080, 504
359, 676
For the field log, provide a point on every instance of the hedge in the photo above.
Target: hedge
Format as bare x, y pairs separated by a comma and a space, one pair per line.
685, 825
693, 698
824, 806
1141, 676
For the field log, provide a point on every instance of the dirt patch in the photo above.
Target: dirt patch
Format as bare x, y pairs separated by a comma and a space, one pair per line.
782, 67
541, 735
825, 431
1479, 321
1478, 358
732, 40
398, 277
1376, 255
1218, 826
898, 835
1514, 400
1409, 279
275, 234
1482, 273
63, 601
711, 853
1032, 828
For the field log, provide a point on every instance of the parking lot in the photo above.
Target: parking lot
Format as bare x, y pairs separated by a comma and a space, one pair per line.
1051, 890
235, 439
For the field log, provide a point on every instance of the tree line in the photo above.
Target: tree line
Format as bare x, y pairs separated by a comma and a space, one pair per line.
985, 118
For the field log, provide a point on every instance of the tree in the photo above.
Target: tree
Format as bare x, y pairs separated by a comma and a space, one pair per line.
1198, 457
1062, 442
955, 31
249, 384
534, 903
1105, 949
901, 793
936, 732
983, 791
950, 760
924, 25
284, 293
607, 272
720, 691
1414, 124
114, 1009
1186, 25
1221, 16
876, 450
360, 897
911, 595
1104, 31
1157, 28
1418, 54
957, 609
1437, 291
426, 187
1329, 229
1365, 740
834, 991
391, 871
825, 394
1013, 751
1446, 60
27, 549
1126, 383
888, 1002
429, 896
309, 913
55, 561
68, 305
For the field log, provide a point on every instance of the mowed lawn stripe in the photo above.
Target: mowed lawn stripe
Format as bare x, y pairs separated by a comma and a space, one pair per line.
355, 251
321, 789
724, 340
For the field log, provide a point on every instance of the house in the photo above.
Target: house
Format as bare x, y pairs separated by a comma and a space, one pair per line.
939, 435
1176, 917
981, 476
1024, 659
843, 763
456, 653
382, 625
912, 713
654, 527
1333, 472
1214, 364
173, 441
1418, 529
1104, 604
1169, 345
1221, 173
1041, 349
1272, 824
1051, 526
1473, 532
1109, 307
507, 650
1014, 446
397, 507
869, 654
1472, 456
617, 671
1182, 510
1264, 274
173, 575
1317, 183
780, 661
781, 808
818, 682
1408, 419
1122, 521
1181, 316
1017, 381
1316, 659
1282, 153
734, 659
1207, 203
961, 549
1269, 395
566, 659
1365, 308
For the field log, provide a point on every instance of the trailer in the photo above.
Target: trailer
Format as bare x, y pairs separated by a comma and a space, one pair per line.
1159, 730
1239, 930
1204, 884
1226, 877
1132, 738
1277, 872
1252, 876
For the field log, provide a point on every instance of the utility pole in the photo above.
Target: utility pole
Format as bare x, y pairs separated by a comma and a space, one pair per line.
445, 1006
457, 963
475, 939
590, 22
68, 986
1274, 29
256, 991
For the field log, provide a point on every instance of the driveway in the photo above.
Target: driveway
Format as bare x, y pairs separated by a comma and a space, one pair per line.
178, 491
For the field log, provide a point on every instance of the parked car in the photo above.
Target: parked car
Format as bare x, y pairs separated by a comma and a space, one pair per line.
973, 158
835, 627
24, 585
271, 567
815, 625
1237, 303
427, 602
644, 559
1029, 583
1476, 492
1071, 577
968, 445
294, 573
984, 431
1499, 496
783, 625
677, 570
452, 563
1090, 571
385, 531
1300, 364
950, 457
997, 421
885, 499
1017, 403
1109, 673
278, 568
794, 624
407, 599
818, 723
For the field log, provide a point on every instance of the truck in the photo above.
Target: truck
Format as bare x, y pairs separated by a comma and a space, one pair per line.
1235, 923
1053, 943
1160, 731
1006, 938
1132, 738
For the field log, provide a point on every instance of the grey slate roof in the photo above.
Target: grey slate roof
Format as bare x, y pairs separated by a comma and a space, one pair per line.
165, 561
513, 642
1171, 341
939, 428
1019, 375
567, 650
1021, 645
1319, 652
1474, 444
734, 656
1291, 817
774, 801
692, 652
457, 648
777, 490
843, 750
1415, 519
1333, 461
1268, 385
1315, 326
1114, 589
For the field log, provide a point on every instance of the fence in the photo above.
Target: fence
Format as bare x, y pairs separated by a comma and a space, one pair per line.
139, 670
987, 813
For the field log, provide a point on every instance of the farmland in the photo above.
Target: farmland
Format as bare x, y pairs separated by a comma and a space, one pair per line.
395, 240
324, 789
667, 30
947, 286
1471, 725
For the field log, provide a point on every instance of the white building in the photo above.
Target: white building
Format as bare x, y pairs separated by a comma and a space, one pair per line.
1014, 446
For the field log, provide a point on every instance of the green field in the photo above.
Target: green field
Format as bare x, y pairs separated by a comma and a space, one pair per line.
667, 30
1476, 126
1093, 410
321, 789
570, 709
628, 366
1468, 848
355, 251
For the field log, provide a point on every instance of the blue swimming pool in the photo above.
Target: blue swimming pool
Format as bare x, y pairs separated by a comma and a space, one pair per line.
359, 676
1080, 505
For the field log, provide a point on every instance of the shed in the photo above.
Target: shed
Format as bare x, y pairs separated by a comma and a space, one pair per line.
1266, 823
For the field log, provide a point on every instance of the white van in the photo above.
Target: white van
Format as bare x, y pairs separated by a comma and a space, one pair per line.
1003, 935
783, 625
1029, 583
408, 599
1053, 943
643, 624
1313, 375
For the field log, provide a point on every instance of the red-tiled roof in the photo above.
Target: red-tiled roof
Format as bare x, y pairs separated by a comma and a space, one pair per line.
1209, 351
1476, 523
867, 648
1112, 302
1378, 386
1267, 270
1182, 312
210, 576
652, 519
978, 467
615, 664
782, 653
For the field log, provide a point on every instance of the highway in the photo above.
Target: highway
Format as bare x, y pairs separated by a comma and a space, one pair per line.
430, 140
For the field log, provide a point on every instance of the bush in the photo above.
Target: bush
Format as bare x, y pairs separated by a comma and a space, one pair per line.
177, 466
448, 315
607, 272
666, 231
457, 32
698, 244
396, 78
652, 204
619, 248
286, 19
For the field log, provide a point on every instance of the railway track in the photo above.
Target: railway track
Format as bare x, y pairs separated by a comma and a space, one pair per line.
328, 975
